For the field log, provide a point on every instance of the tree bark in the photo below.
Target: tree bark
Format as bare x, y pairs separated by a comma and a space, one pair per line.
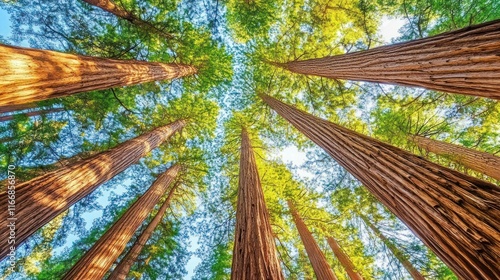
456, 215
415, 274
122, 269
41, 199
321, 268
476, 160
96, 262
110, 7
344, 259
31, 114
14, 108
254, 253
30, 75
464, 61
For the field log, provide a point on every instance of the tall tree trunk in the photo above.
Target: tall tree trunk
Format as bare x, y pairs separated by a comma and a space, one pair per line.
13, 108
456, 215
476, 160
415, 274
122, 269
344, 259
110, 7
41, 199
321, 268
31, 114
464, 61
30, 75
254, 253
96, 262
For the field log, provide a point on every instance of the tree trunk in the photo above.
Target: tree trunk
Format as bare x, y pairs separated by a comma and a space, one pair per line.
97, 261
122, 269
464, 61
14, 108
476, 160
110, 7
321, 268
254, 253
31, 114
30, 75
41, 199
456, 215
415, 274
344, 259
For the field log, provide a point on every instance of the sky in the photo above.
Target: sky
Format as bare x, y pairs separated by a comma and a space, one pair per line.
388, 30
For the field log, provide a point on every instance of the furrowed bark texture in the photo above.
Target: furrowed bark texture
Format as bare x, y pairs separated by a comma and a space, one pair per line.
415, 274
96, 262
31, 114
111, 7
43, 198
485, 163
30, 75
321, 268
344, 259
122, 269
456, 215
254, 253
464, 61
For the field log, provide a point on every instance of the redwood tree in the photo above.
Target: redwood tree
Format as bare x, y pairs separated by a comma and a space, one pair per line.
31, 114
464, 61
254, 252
96, 262
321, 268
344, 259
122, 269
476, 160
415, 274
14, 108
43, 198
456, 215
111, 7
30, 75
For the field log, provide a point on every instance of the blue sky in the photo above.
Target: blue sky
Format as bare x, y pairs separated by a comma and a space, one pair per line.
4, 24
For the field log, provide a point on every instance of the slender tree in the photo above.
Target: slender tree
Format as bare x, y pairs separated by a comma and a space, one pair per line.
321, 268
456, 215
14, 108
41, 199
110, 7
31, 114
415, 274
254, 253
96, 262
122, 269
344, 259
476, 160
464, 61
30, 75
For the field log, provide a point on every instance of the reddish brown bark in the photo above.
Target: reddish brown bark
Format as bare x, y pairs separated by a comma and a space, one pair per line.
415, 274
254, 253
122, 269
456, 215
321, 268
464, 61
476, 160
111, 7
31, 114
43, 198
30, 75
96, 262
13, 108
344, 259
